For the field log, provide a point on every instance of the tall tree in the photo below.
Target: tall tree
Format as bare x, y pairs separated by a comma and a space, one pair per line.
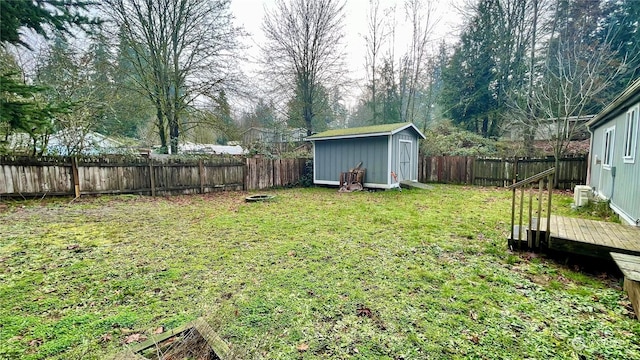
578, 68
420, 14
435, 65
488, 62
375, 38
40, 16
322, 109
303, 51
391, 103
21, 106
74, 78
132, 109
620, 27
181, 50
263, 114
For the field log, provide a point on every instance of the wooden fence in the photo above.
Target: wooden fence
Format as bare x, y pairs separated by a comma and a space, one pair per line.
28, 177
498, 172
266, 173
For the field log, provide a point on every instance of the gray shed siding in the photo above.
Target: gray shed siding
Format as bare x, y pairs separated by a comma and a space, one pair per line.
624, 190
405, 135
339, 155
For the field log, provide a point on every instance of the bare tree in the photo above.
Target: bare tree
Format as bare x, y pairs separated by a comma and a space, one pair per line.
303, 51
420, 14
375, 38
181, 51
574, 71
575, 75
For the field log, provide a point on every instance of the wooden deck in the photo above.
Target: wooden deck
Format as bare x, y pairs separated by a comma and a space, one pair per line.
592, 238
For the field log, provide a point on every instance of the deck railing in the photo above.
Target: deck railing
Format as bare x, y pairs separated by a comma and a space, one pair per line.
530, 184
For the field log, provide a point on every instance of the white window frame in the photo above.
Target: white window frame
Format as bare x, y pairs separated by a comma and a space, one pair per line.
631, 135
607, 147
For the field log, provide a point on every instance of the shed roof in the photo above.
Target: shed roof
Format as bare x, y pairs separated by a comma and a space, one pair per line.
616, 106
364, 131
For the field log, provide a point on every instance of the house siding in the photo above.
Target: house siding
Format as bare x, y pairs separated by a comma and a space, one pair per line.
623, 190
335, 156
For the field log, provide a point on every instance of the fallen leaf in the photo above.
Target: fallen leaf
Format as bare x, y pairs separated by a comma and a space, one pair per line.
137, 337
363, 311
474, 339
473, 315
73, 247
35, 342
302, 347
106, 338
159, 330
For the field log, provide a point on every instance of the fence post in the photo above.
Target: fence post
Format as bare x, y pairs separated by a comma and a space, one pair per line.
152, 177
245, 174
201, 173
76, 177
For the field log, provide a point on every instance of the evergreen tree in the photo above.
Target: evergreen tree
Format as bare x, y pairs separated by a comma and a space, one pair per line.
321, 108
227, 128
21, 105
390, 97
621, 28
40, 15
131, 108
488, 62
470, 77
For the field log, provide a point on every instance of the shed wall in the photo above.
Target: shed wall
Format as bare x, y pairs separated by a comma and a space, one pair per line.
624, 189
335, 156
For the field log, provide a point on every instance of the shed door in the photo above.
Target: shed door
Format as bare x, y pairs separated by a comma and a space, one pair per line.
404, 172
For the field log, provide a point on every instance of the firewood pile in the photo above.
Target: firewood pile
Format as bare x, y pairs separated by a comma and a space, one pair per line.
352, 180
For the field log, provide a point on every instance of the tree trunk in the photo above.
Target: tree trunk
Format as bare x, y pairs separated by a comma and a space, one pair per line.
161, 130
529, 133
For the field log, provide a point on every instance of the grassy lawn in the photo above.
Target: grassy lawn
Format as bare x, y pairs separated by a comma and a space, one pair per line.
312, 274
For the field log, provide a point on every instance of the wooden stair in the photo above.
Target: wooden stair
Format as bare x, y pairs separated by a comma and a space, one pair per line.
530, 236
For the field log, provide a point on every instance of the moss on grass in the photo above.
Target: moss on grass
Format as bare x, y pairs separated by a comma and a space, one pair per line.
430, 268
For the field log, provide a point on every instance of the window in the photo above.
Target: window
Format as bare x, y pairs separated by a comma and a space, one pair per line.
630, 135
608, 148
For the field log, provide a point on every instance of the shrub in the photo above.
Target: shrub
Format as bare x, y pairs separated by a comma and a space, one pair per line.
447, 139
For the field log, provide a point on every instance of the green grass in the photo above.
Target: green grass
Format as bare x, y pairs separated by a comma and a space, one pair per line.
396, 275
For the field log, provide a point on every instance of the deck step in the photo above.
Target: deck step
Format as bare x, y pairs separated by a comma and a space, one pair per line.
408, 184
630, 267
527, 242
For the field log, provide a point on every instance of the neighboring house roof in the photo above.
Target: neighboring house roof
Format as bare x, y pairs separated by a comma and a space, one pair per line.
547, 128
189, 147
88, 143
273, 134
365, 131
252, 129
629, 96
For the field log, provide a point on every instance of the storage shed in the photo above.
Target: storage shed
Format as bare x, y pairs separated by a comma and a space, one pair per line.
614, 167
382, 149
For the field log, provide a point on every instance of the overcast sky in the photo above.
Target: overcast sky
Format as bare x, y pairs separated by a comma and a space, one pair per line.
249, 14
